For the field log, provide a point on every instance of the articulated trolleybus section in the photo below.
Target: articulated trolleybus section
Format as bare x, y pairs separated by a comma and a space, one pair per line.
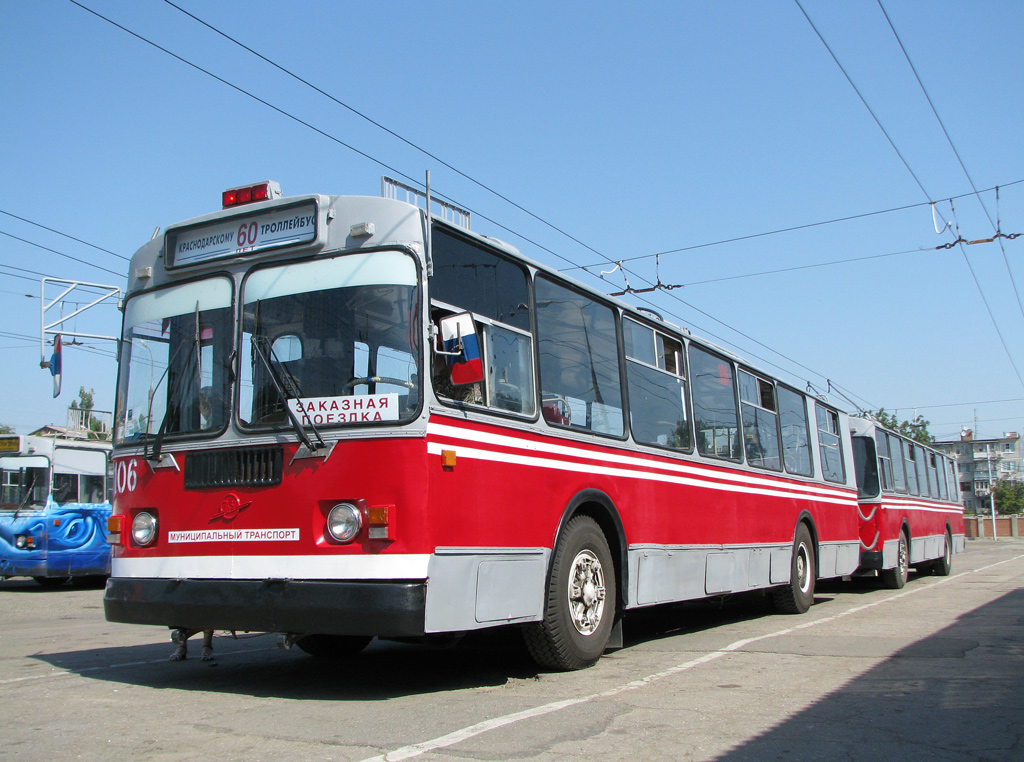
342, 417
910, 509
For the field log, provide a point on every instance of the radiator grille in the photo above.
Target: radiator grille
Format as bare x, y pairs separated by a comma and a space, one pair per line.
251, 467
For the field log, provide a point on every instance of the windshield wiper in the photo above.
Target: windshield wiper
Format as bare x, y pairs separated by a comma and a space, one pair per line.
28, 492
271, 363
172, 398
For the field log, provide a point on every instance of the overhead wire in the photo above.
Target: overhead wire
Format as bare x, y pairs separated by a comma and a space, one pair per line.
377, 124
306, 124
401, 174
62, 254
949, 139
65, 235
793, 228
913, 174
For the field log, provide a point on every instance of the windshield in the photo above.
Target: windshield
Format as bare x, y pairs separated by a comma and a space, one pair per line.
334, 340
175, 361
23, 485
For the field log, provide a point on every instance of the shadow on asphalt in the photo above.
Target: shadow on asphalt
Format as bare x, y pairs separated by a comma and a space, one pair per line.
253, 665
953, 696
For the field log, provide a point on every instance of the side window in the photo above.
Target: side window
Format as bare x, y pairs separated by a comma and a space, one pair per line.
760, 422
899, 476
796, 447
92, 489
470, 278
656, 387
475, 279
923, 475
715, 418
954, 494
884, 460
829, 444
909, 459
65, 488
939, 467
579, 361
507, 357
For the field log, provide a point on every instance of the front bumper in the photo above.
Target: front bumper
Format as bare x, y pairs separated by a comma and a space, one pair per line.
388, 608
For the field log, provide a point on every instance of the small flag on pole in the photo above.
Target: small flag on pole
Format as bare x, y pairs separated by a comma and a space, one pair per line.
55, 365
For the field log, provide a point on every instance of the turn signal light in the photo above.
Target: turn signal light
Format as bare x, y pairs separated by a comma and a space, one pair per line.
377, 522
115, 525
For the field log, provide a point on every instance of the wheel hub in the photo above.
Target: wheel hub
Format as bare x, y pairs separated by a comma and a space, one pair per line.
586, 592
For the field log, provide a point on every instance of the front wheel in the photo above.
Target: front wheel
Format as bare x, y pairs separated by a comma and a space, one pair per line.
896, 577
580, 603
798, 595
51, 582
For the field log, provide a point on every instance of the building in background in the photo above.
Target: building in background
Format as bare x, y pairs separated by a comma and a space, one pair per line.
983, 462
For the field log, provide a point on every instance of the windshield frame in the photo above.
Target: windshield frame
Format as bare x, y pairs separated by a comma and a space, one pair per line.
160, 383
414, 281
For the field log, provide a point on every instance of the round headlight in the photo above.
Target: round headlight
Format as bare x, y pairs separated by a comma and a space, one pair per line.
344, 522
144, 528
19, 542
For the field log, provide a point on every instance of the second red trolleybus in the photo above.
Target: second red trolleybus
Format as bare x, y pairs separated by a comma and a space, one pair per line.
910, 511
341, 417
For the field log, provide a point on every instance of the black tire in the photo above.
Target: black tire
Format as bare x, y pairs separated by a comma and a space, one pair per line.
798, 595
580, 605
51, 582
333, 646
943, 565
90, 582
896, 578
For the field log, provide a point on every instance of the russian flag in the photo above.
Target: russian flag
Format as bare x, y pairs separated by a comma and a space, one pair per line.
467, 368
55, 365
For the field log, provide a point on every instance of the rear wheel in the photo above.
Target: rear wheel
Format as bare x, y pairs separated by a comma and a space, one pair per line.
896, 577
580, 604
942, 566
333, 646
798, 595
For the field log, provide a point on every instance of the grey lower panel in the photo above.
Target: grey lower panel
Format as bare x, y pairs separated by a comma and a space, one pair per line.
472, 588
663, 574
921, 549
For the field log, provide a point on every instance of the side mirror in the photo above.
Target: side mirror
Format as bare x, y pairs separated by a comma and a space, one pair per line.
462, 348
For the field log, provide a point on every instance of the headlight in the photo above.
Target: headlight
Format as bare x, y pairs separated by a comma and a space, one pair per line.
20, 542
344, 522
144, 528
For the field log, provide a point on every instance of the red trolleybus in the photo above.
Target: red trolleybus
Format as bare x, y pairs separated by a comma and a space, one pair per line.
910, 512
343, 417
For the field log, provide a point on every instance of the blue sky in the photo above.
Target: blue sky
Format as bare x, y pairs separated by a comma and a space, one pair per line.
636, 128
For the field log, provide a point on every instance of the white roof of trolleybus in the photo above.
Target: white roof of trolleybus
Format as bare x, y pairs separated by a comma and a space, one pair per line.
87, 458
339, 218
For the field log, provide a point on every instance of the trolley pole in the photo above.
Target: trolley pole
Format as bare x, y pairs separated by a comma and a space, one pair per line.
992, 504
992, 493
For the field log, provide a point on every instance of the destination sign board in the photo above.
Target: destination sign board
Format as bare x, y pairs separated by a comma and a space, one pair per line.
242, 234
10, 444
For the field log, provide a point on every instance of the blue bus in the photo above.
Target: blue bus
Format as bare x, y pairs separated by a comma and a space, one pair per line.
54, 506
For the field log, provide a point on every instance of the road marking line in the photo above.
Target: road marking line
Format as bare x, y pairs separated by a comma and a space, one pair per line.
455, 737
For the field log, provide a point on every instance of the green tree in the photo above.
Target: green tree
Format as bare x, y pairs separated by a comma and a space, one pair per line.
5, 429
1009, 497
917, 429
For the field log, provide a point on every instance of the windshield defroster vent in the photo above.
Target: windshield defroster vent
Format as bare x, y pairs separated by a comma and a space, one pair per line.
249, 467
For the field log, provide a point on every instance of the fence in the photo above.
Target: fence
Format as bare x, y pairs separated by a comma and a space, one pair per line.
981, 526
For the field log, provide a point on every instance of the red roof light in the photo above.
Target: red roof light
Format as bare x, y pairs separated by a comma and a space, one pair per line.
248, 194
